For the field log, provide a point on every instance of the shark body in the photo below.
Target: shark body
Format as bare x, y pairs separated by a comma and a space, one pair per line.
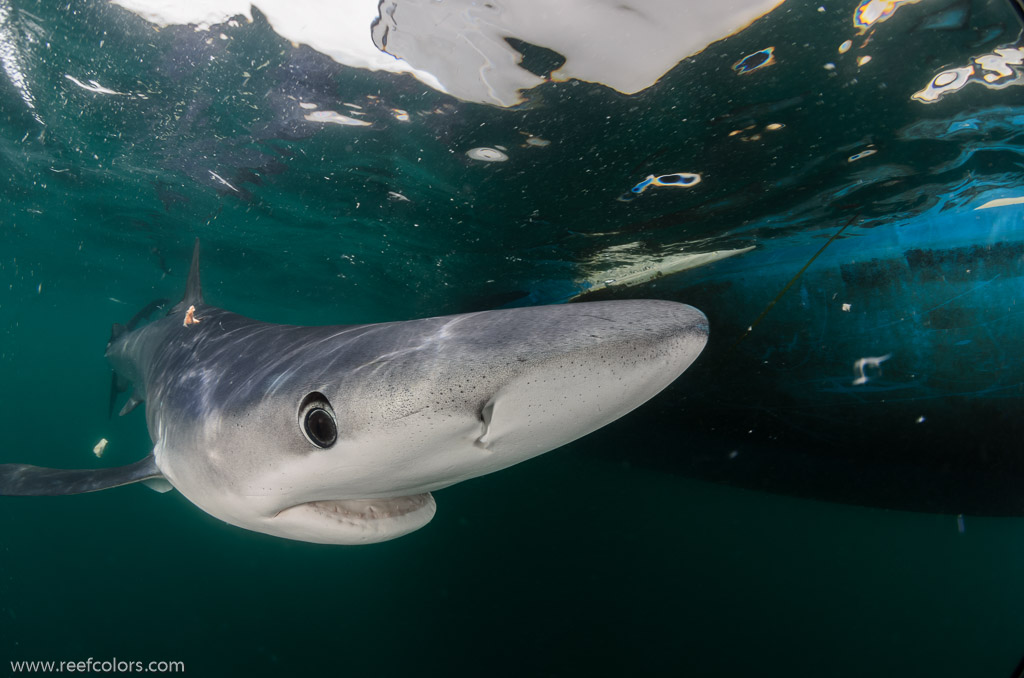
338, 434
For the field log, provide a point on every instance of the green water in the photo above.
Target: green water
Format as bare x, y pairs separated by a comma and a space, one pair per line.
584, 561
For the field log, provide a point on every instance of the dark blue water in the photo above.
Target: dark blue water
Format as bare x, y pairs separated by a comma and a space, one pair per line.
778, 511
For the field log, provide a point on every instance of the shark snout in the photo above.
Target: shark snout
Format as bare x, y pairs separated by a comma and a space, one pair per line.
584, 367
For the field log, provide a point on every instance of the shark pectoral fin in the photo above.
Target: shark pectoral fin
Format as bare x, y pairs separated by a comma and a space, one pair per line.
158, 484
132, 403
117, 385
22, 480
353, 521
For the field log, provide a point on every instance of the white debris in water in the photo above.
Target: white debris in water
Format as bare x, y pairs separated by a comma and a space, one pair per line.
222, 180
100, 446
93, 86
336, 118
862, 363
847, 307
487, 154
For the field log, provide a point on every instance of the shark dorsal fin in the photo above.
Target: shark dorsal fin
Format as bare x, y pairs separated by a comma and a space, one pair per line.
193, 290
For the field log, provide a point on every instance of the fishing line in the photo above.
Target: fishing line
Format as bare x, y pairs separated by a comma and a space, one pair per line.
793, 280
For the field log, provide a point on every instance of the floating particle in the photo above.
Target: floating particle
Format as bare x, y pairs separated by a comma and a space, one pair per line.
99, 447
921, 419
752, 62
735, 132
845, 47
772, 127
486, 154
394, 195
336, 118
537, 141
863, 60
862, 363
307, 105
847, 307
960, 523
829, 66
863, 154
400, 115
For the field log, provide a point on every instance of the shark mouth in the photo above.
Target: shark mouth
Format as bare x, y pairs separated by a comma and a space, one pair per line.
354, 521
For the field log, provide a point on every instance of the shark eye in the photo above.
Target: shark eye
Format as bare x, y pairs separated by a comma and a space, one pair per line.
316, 419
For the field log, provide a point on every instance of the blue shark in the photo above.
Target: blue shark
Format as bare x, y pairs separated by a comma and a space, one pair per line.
339, 434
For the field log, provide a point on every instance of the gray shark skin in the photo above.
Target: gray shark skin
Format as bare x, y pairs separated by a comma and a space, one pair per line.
338, 434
